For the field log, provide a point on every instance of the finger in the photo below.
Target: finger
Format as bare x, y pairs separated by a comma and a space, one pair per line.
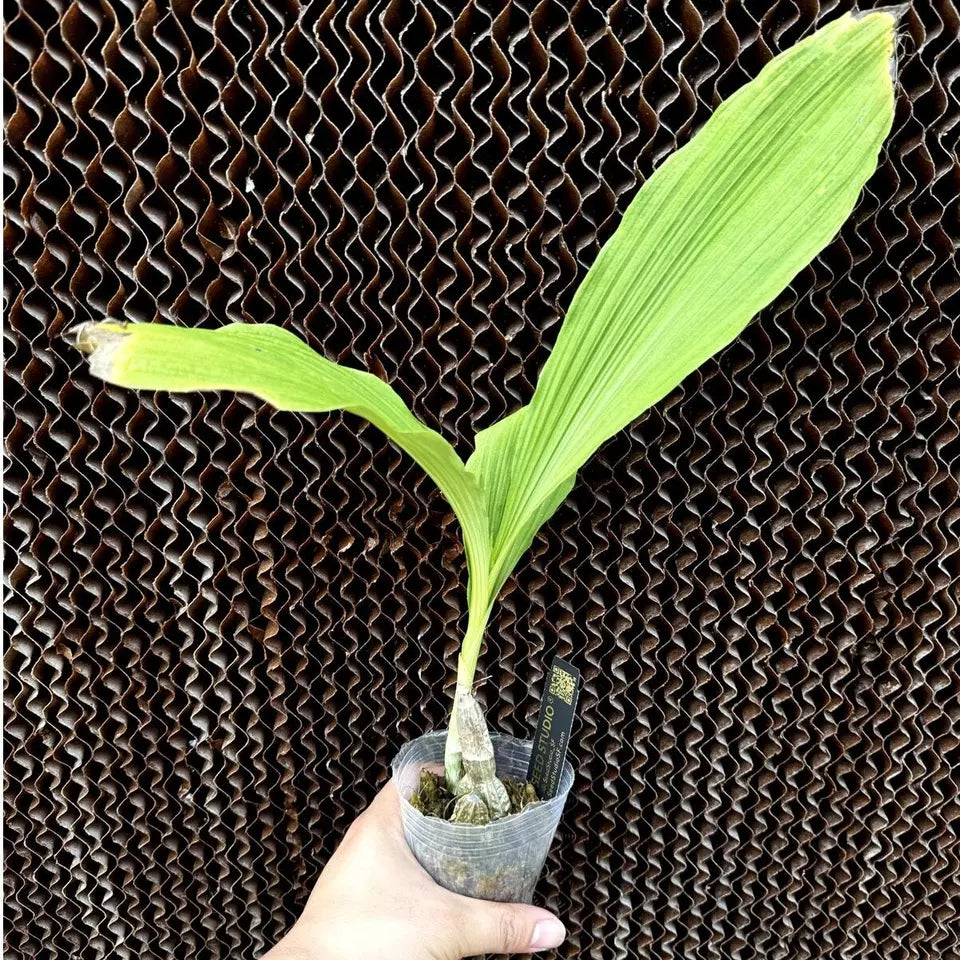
487, 927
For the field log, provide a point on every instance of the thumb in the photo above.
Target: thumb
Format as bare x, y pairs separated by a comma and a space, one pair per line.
488, 927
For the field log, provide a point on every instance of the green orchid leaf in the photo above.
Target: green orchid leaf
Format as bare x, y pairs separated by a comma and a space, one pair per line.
711, 238
277, 366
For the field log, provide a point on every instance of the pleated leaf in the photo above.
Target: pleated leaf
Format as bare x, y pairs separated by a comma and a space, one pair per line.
277, 366
711, 238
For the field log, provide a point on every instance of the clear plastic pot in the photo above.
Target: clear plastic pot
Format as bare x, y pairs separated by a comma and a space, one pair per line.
499, 861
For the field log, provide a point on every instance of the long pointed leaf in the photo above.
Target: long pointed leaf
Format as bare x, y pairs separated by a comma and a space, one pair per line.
277, 366
712, 237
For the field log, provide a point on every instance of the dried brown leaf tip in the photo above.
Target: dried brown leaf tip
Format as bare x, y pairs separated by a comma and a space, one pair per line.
99, 340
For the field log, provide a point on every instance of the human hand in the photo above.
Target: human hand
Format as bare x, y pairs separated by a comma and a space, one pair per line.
373, 901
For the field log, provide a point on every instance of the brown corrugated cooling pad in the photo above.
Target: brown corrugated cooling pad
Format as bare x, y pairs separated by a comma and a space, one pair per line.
223, 621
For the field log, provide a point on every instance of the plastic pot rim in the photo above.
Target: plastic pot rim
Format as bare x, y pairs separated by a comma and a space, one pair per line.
558, 799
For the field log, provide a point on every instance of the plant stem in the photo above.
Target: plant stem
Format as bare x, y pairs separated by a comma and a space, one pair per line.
466, 670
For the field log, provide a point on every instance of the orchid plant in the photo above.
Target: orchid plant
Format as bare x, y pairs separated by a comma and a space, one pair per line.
718, 231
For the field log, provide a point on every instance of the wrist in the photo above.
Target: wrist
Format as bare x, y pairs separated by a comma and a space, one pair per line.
308, 939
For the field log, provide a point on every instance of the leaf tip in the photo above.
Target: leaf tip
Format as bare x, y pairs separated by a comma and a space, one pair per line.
893, 10
100, 341
893, 14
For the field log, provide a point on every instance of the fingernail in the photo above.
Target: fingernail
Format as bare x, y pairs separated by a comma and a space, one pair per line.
548, 933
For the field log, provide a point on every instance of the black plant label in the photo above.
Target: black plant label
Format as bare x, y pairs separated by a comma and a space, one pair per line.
553, 728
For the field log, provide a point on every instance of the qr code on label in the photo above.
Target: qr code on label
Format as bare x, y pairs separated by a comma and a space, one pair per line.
563, 685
